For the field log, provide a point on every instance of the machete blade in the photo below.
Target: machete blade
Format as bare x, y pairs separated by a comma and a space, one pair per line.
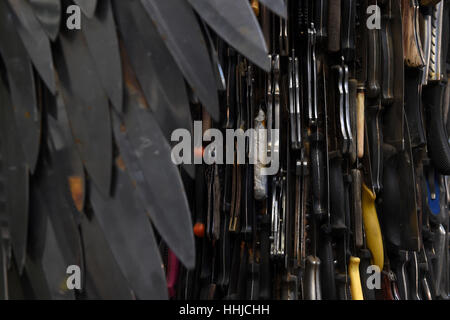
87, 109
181, 33
87, 6
48, 12
236, 23
104, 280
101, 38
35, 41
158, 75
16, 180
22, 87
148, 159
277, 6
130, 235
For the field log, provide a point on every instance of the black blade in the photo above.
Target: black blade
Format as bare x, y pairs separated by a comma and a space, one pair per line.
158, 75
101, 38
48, 12
181, 33
87, 109
35, 41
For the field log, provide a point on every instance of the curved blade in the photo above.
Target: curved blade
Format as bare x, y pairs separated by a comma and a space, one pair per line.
22, 86
148, 159
130, 236
158, 75
101, 38
87, 109
277, 6
35, 41
87, 6
236, 23
16, 181
178, 26
48, 12
101, 266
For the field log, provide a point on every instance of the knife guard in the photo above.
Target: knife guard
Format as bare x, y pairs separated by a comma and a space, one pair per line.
438, 145
334, 25
327, 266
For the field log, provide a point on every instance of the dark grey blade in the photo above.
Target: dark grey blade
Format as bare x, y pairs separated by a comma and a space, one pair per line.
48, 12
69, 159
129, 233
35, 41
179, 28
16, 180
148, 158
87, 6
277, 6
22, 87
101, 38
87, 108
104, 280
236, 23
160, 79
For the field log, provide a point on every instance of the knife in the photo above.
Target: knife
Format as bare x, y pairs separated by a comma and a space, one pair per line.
49, 15
277, 6
236, 23
87, 6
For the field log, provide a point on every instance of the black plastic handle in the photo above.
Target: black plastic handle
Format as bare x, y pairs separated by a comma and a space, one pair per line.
327, 266
337, 194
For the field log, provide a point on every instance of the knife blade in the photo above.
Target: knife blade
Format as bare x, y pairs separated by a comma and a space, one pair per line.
236, 23
277, 6
48, 12
182, 35
87, 6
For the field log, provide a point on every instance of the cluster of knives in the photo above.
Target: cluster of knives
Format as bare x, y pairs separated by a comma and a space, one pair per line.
355, 98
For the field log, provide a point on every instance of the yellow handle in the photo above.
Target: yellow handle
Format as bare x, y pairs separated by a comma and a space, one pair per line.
372, 227
355, 279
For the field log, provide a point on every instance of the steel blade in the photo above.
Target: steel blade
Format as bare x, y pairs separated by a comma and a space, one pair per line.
236, 23
87, 109
16, 180
158, 75
22, 87
48, 12
87, 6
277, 6
101, 38
179, 28
141, 144
130, 236
35, 41
104, 279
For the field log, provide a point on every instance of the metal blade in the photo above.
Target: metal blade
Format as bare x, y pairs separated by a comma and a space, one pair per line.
22, 87
101, 265
35, 41
16, 180
87, 6
87, 109
101, 38
130, 236
277, 6
48, 12
158, 75
178, 26
236, 23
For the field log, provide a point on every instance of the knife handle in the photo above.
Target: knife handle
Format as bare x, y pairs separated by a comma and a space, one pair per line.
428, 2
357, 208
265, 283
387, 55
352, 92
375, 140
327, 266
360, 108
413, 107
318, 178
312, 279
255, 7
334, 25
337, 206
438, 146
372, 227
348, 12
373, 63
412, 46
355, 279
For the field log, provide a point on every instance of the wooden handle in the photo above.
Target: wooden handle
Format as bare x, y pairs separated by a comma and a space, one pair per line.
372, 227
412, 46
360, 101
355, 279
